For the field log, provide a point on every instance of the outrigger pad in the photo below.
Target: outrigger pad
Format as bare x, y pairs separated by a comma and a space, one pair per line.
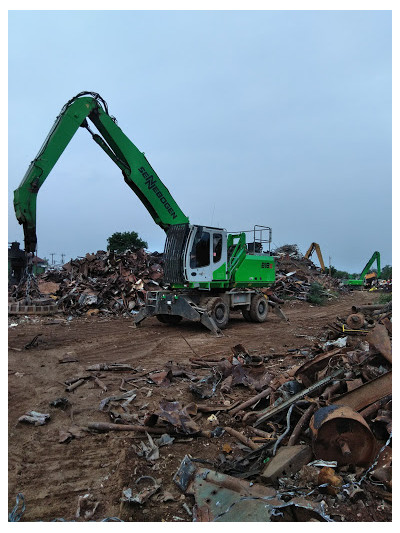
181, 306
141, 315
278, 311
209, 323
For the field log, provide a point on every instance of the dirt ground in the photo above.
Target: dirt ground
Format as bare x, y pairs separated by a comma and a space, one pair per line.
52, 475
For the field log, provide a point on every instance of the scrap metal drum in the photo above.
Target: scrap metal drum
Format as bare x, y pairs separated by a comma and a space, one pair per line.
341, 434
355, 321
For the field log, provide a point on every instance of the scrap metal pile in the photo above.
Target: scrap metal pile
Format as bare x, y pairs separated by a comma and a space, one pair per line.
104, 282
322, 442
111, 283
295, 275
300, 436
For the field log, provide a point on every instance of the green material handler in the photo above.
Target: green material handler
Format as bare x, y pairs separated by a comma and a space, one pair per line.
208, 271
365, 278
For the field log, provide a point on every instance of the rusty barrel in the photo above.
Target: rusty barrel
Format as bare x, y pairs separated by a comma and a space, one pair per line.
355, 321
341, 434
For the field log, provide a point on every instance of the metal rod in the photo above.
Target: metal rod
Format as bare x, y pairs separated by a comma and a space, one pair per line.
274, 410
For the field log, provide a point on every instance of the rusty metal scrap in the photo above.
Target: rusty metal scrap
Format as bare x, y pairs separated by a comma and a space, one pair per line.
129, 395
368, 308
301, 424
111, 366
355, 321
77, 383
296, 395
163, 378
363, 319
374, 407
274, 410
341, 434
242, 438
384, 416
382, 471
151, 486
378, 337
35, 418
368, 393
206, 387
287, 461
34, 342
178, 416
100, 384
223, 498
264, 394
294, 276
104, 282
307, 372
328, 476
387, 323
242, 370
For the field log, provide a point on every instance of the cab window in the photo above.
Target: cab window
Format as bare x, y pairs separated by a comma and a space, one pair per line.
217, 247
200, 253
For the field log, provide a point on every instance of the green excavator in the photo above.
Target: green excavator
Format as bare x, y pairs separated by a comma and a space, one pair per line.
207, 270
366, 278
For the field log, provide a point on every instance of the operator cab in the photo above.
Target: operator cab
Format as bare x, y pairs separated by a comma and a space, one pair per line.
206, 253
195, 254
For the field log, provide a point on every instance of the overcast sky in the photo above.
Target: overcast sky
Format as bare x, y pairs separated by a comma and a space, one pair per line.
278, 118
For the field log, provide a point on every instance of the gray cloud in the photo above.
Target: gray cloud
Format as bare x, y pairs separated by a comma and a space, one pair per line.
281, 118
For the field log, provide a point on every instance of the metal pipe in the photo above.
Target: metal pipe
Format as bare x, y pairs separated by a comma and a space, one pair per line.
363, 308
251, 401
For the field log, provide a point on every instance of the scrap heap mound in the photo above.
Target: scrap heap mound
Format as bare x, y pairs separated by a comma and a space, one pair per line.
110, 283
104, 282
295, 275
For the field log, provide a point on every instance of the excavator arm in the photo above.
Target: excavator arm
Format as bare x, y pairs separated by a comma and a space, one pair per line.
137, 171
376, 256
315, 246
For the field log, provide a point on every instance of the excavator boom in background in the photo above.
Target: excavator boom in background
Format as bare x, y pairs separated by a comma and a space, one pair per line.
366, 278
315, 247
208, 270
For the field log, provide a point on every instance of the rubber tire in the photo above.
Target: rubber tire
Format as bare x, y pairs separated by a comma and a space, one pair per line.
258, 308
219, 312
169, 319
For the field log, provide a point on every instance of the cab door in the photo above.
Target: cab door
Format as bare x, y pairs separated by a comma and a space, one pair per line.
206, 254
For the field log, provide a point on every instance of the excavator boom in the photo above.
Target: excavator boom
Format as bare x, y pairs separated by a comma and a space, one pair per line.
315, 246
364, 276
137, 171
376, 256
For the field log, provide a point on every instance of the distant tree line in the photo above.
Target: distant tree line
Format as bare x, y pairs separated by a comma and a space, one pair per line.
386, 273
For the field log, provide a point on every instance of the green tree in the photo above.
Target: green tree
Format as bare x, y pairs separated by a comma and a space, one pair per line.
340, 274
386, 272
317, 294
128, 240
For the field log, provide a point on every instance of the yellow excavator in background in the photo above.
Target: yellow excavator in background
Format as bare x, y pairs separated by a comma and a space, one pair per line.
315, 247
